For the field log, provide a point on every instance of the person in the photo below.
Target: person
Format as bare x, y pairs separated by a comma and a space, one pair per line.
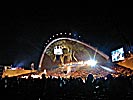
32, 66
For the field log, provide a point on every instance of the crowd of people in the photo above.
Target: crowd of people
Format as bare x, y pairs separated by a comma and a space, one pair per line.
112, 86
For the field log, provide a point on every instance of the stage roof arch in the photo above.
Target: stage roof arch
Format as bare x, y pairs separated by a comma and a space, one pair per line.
81, 51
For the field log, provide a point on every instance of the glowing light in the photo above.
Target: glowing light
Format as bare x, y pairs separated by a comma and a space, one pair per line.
68, 69
13, 68
53, 35
69, 33
57, 34
35, 76
60, 33
65, 33
25, 77
108, 69
44, 71
91, 62
80, 62
50, 38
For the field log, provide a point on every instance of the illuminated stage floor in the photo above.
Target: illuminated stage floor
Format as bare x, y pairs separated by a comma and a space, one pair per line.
17, 72
79, 71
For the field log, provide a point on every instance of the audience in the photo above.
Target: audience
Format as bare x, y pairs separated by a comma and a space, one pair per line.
118, 85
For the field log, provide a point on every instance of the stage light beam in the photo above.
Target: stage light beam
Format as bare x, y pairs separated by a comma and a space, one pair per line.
91, 62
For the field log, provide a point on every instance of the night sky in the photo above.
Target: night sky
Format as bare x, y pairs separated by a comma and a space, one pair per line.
24, 31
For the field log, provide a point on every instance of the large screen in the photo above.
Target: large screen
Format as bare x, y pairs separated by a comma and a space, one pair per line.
58, 50
118, 55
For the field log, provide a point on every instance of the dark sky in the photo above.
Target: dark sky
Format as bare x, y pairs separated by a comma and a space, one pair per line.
23, 31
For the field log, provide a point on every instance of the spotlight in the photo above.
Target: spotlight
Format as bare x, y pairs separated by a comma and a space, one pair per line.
91, 62
69, 33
